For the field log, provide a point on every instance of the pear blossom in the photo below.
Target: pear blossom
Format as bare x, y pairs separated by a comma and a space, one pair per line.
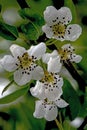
67, 53
57, 24
22, 63
48, 109
50, 86
46, 56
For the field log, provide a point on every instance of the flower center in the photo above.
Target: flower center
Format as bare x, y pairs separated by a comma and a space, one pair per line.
59, 29
48, 77
25, 60
64, 54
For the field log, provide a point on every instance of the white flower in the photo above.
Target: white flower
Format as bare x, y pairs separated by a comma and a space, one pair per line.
23, 63
57, 24
46, 56
67, 53
48, 109
50, 86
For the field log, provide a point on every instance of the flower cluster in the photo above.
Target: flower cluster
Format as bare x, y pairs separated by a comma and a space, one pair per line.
49, 91
25, 66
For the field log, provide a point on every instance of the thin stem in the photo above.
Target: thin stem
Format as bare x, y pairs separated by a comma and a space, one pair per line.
50, 42
60, 118
58, 124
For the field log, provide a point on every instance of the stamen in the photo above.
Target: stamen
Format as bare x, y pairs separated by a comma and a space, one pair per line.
59, 29
64, 53
25, 61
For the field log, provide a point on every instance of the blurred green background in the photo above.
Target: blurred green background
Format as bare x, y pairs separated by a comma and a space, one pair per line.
18, 115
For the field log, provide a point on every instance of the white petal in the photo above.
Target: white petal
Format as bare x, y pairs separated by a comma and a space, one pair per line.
61, 103
37, 50
38, 90
50, 14
64, 15
59, 81
58, 38
37, 73
54, 65
50, 112
68, 47
17, 50
47, 30
39, 109
9, 63
30, 50
75, 58
46, 57
53, 92
21, 78
73, 32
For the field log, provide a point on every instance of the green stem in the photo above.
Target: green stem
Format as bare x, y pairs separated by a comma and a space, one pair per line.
58, 124
50, 42
60, 118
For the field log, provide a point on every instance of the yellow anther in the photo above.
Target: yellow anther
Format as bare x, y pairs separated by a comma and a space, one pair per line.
63, 54
48, 77
25, 60
59, 29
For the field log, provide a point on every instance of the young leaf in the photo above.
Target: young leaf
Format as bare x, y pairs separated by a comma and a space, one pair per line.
30, 31
32, 15
13, 96
71, 96
8, 32
34, 28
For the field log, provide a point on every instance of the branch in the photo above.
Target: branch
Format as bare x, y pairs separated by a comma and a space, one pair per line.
23, 4
83, 124
77, 77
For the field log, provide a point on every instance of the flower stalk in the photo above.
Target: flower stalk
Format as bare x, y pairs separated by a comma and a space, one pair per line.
58, 124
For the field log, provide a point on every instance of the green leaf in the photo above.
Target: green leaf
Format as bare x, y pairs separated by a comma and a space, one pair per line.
34, 123
33, 29
13, 96
71, 96
32, 15
7, 86
30, 31
8, 32
83, 110
0, 7
67, 125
